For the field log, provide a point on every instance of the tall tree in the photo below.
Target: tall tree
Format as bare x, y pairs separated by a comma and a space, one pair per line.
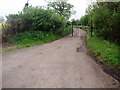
62, 8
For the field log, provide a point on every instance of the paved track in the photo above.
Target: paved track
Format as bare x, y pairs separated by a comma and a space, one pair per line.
60, 64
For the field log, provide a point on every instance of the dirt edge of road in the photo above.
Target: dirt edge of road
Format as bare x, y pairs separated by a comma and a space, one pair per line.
115, 73
60, 64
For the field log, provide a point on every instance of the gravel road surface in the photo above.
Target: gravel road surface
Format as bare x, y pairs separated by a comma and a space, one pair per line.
63, 63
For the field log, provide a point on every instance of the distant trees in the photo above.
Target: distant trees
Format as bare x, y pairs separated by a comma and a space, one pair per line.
62, 8
84, 20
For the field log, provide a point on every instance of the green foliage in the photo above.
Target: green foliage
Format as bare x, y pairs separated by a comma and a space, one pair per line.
76, 22
68, 23
62, 8
33, 19
105, 51
31, 38
47, 20
64, 31
76, 26
106, 17
84, 20
86, 28
0, 26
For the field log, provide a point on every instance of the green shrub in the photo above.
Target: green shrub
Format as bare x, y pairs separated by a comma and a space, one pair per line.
30, 35
33, 19
30, 38
105, 17
66, 31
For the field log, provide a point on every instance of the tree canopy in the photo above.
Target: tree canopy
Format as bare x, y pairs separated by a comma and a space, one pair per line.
62, 7
106, 17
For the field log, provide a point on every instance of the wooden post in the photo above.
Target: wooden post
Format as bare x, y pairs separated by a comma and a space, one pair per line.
72, 28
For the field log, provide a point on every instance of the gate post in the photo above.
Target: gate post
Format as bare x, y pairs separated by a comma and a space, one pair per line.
72, 28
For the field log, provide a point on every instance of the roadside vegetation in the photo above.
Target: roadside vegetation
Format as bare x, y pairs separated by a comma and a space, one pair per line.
0, 33
0, 26
105, 51
36, 25
105, 43
31, 38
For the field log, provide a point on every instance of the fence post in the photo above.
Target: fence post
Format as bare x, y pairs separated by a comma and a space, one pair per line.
72, 28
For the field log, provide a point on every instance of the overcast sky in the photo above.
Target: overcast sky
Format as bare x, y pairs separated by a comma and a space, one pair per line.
13, 6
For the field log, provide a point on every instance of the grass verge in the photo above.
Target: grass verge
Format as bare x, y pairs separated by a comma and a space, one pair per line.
32, 38
105, 51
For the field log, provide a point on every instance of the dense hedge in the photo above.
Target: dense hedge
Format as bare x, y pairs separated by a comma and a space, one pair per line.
33, 19
105, 18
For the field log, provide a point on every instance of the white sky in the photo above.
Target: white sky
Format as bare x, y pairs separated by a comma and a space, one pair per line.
13, 6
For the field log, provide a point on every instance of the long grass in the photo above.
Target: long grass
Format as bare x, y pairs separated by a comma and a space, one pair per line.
31, 38
105, 51
0, 26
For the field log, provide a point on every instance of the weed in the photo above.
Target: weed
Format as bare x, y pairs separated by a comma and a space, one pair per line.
108, 52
